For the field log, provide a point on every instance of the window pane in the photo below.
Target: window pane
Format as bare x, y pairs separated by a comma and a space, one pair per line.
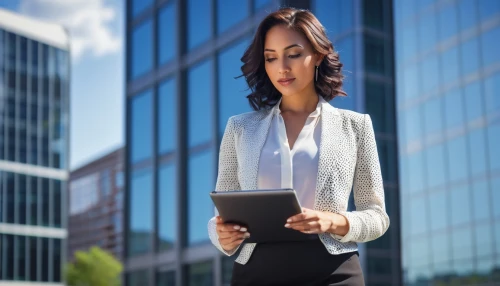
34, 256
468, 16
56, 258
200, 274
33, 200
448, 21
141, 205
489, 47
441, 252
379, 104
457, 159
45, 259
167, 116
435, 166
345, 49
484, 243
138, 278
477, 143
8, 252
373, 13
200, 103
470, 56
166, 278
428, 31
493, 143
167, 21
449, 62
140, 5
200, 207
492, 92
460, 203
45, 198
167, 207
494, 187
473, 103
430, 73
416, 172
408, 42
375, 55
413, 124
21, 199
57, 211
343, 19
453, 104
199, 23
237, 9
258, 4
488, 8
141, 129
232, 92
9, 201
21, 258
438, 202
411, 82
481, 201
461, 246
433, 118
141, 49
418, 213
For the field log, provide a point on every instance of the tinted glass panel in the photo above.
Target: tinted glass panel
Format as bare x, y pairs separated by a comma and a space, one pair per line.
200, 274
167, 207
491, 93
232, 92
198, 22
343, 20
489, 47
258, 4
138, 278
167, 22
200, 104
139, 6
141, 205
141, 49
200, 207
167, 116
239, 10
141, 129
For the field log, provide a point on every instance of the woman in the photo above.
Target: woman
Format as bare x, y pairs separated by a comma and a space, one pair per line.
296, 139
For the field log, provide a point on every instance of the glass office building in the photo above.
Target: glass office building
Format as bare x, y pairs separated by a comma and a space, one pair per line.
448, 109
34, 105
182, 58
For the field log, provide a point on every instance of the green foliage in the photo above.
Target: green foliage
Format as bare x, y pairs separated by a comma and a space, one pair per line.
93, 268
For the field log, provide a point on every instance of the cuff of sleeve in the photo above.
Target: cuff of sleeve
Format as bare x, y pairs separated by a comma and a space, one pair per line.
349, 235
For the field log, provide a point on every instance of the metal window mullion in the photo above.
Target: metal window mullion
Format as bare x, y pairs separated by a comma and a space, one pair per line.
50, 72
17, 100
40, 103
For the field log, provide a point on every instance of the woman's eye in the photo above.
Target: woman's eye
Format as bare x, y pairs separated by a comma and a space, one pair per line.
294, 56
270, 59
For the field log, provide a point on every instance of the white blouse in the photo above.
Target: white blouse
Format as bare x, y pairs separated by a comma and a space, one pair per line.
280, 167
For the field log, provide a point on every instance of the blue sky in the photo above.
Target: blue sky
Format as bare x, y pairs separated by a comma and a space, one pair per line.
97, 70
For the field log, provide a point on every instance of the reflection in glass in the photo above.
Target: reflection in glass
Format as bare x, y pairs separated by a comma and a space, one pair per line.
438, 207
460, 205
200, 274
167, 22
200, 207
167, 207
140, 218
237, 9
490, 54
141, 49
232, 92
343, 20
139, 6
200, 103
491, 92
138, 278
457, 159
166, 278
198, 23
477, 158
167, 116
141, 126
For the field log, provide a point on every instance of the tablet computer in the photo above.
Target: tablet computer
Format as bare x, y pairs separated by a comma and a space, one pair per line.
263, 212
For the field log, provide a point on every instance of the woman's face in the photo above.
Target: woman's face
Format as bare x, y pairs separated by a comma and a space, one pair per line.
289, 61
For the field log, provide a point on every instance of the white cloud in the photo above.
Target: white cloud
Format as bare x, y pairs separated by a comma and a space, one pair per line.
94, 27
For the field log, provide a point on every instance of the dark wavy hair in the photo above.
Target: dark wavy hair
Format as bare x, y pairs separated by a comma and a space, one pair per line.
264, 95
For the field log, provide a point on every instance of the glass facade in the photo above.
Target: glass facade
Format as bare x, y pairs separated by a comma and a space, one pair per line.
34, 106
178, 108
447, 78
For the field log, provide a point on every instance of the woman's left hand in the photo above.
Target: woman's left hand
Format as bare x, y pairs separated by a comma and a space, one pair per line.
311, 221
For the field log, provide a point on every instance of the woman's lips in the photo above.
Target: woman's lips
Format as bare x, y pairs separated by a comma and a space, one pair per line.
286, 81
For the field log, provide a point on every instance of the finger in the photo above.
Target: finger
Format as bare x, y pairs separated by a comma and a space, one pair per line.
227, 242
229, 227
292, 224
305, 215
307, 226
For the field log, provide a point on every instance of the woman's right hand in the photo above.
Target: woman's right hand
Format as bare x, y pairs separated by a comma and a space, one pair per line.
230, 235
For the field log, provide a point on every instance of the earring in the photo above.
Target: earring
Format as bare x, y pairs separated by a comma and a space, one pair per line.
316, 73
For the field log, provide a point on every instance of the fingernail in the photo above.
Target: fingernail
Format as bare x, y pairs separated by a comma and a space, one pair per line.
287, 225
288, 220
236, 227
243, 229
247, 235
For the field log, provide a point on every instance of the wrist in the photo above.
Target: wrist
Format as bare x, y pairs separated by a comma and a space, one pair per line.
339, 224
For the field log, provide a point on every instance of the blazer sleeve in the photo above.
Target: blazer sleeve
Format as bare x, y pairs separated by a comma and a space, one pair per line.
370, 220
227, 178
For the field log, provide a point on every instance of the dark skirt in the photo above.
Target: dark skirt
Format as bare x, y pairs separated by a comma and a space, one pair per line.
298, 263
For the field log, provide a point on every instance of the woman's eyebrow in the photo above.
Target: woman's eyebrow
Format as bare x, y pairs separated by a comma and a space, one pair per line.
289, 47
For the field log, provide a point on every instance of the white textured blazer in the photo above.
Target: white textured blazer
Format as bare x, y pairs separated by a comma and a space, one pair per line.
347, 155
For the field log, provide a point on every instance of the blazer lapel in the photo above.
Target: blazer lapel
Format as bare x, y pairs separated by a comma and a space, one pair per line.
328, 149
